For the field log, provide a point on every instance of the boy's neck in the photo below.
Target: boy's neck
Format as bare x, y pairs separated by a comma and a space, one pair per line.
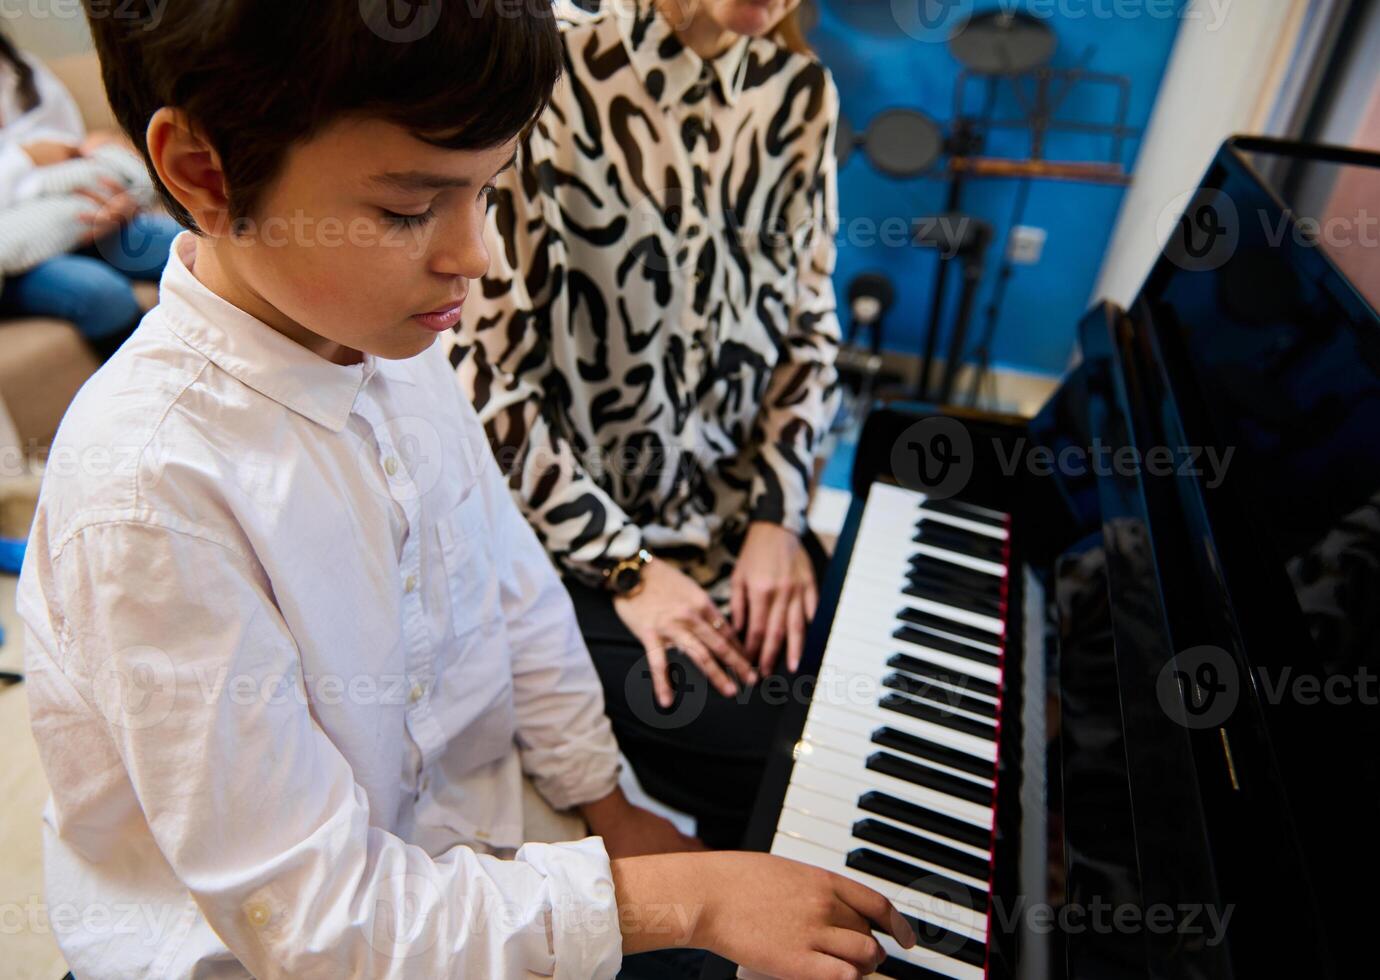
219, 276
695, 28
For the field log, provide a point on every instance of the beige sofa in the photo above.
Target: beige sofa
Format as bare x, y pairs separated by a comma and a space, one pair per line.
44, 361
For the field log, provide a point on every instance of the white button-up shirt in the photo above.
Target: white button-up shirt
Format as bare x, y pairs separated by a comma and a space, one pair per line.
291, 648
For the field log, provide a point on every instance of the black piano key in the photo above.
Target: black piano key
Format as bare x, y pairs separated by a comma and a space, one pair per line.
959, 576
876, 832
938, 716
894, 808
898, 969
941, 782
969, 512
923, 588
941, 696
903, 873
946, 675
954, 945
929, 621
957, 539
921, 638
890, 738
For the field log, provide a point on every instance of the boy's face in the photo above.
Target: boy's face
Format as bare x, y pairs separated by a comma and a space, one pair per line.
367, 241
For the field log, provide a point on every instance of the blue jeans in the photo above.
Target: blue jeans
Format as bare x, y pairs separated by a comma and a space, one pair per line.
92, 288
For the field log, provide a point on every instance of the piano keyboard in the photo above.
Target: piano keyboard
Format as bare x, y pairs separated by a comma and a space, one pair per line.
894, 776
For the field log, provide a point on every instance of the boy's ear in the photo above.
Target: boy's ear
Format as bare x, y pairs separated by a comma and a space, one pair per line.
190, 169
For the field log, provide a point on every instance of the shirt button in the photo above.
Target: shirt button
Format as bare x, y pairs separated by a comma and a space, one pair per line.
416, 694
257, 913
390, 466
410, 584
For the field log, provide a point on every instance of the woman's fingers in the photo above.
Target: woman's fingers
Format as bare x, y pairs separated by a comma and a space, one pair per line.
656, 663
776, 629
699, 653
795, 631
858, 949
721, 647
737, 604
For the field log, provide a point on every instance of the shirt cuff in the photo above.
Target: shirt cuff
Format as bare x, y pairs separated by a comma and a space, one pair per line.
584, 932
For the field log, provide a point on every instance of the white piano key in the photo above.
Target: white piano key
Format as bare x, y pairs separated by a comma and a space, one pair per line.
830, 773
977, 527
946, 914
863, 720
888, 599
865, 676
818, 737
873, 641
930, 959
954, 558
845, 814
841, 840
847, 736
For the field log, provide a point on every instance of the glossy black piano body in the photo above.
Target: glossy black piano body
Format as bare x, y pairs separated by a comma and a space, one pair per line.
1192, 787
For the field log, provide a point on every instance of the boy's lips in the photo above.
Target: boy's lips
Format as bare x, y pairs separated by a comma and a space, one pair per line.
442, 319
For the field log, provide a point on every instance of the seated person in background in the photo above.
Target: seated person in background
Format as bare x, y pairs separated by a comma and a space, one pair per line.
62, 190
652, 353
288, 666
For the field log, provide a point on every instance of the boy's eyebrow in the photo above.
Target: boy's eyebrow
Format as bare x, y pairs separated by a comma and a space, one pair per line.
418, 180
421, 180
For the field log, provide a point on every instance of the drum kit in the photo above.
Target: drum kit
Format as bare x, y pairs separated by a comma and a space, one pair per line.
1000, 51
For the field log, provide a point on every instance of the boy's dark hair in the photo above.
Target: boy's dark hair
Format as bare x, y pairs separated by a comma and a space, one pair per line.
257, 76
25, 84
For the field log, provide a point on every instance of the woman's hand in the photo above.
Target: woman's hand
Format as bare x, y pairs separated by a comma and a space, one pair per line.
766, 913
45, 153
774, 595
672, 610
630, 831
115, 208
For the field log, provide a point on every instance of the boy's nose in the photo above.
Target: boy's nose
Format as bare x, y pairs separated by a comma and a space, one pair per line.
463, 255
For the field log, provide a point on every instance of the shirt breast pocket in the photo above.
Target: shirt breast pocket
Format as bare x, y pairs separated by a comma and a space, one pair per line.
467, 552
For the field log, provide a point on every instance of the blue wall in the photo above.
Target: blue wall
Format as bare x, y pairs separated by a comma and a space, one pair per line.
878, 66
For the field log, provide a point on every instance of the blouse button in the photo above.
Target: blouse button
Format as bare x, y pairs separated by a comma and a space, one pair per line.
390, 466
416, 694
410, 584
257, 913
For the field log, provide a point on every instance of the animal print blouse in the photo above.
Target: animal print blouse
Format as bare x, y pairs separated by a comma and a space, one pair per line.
652, 351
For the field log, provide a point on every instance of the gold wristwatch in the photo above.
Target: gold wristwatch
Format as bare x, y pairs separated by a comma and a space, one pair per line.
625, 578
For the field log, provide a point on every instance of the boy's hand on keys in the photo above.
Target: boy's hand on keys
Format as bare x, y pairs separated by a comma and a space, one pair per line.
768, 914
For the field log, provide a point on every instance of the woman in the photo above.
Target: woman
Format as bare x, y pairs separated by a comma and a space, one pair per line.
41, 127
653, 353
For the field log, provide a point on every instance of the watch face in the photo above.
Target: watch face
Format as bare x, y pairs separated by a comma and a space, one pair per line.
625, 579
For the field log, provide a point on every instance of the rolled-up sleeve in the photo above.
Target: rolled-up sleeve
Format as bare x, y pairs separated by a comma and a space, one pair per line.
258, 812
565, 739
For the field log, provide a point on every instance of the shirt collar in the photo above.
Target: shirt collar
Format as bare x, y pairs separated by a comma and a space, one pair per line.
670, 71
255, 354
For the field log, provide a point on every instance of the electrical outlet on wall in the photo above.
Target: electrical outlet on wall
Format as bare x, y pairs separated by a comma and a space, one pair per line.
1025, 245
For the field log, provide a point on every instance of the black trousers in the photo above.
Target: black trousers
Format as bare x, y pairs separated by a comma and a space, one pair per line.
705, 754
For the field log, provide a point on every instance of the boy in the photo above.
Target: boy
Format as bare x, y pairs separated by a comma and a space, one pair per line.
291, 647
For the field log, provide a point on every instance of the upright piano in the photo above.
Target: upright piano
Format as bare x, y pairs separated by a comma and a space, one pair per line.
1094, 694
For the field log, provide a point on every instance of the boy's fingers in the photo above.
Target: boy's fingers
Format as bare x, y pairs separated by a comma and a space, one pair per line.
858, 949
876, 908
811, 601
